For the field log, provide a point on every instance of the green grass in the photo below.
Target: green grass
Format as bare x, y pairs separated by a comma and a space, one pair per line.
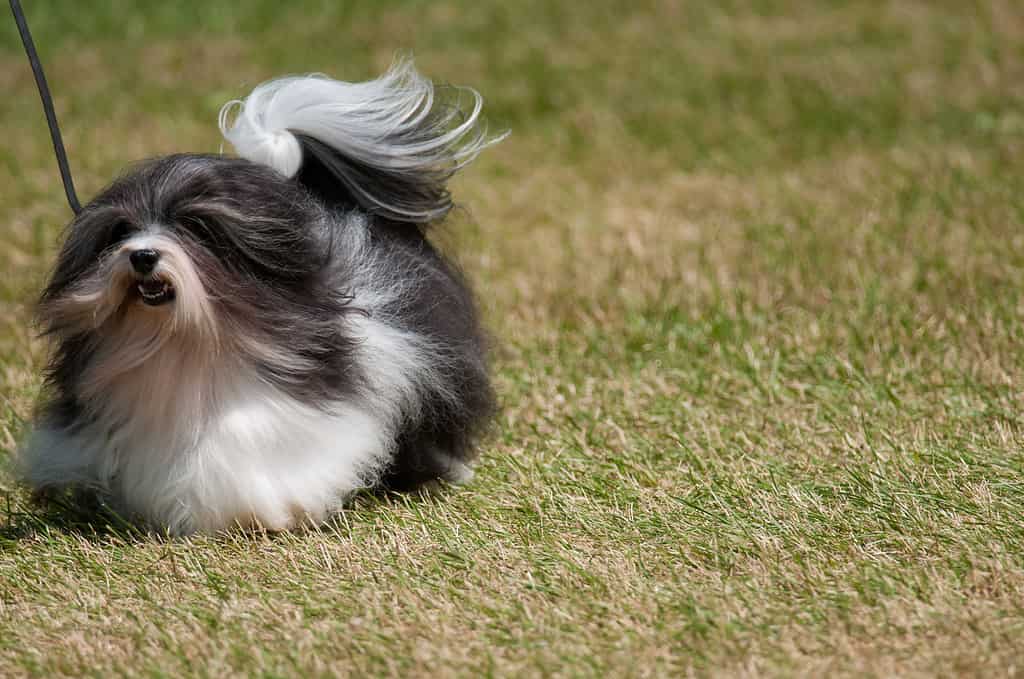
756, 272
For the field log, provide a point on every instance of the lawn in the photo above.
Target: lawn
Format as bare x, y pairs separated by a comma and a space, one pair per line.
755, 271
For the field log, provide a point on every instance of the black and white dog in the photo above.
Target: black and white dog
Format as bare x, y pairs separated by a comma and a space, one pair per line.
248, 341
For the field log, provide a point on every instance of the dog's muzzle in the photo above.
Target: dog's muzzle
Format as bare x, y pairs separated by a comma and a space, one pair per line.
155, 291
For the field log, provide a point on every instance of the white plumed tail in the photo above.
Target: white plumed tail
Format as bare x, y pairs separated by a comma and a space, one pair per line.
389, 144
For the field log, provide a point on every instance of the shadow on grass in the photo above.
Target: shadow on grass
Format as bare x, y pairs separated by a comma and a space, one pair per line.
79, 514
85, 515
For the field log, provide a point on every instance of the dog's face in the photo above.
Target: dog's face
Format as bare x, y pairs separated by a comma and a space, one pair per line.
216, 254
183, 242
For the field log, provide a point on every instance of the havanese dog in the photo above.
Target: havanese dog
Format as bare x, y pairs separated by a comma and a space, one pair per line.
249, 341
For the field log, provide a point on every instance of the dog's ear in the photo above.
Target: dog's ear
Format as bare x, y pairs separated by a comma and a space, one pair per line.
388, 145
92, 231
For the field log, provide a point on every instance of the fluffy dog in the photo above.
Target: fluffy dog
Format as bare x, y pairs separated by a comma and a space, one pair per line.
249, 341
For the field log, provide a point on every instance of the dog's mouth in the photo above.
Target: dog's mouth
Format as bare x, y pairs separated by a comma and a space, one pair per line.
155, 292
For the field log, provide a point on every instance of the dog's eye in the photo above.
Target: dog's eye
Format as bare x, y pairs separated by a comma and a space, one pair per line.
120, 231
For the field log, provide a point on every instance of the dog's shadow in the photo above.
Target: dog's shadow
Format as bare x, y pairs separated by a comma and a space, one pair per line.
79, 514
86, 516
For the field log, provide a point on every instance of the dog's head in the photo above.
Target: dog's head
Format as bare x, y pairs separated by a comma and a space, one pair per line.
182, 242
215, 254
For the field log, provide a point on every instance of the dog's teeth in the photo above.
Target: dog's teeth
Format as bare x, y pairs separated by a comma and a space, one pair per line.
147, 294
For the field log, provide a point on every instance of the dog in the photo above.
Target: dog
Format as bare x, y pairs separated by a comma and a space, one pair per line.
250, 341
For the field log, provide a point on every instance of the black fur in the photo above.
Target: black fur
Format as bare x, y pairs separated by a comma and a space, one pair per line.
441, 308
340, 180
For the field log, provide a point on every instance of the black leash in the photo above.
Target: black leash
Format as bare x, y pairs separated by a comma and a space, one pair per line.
51, 116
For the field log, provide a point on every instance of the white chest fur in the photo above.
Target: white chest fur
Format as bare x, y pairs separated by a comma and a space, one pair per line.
196, 443
256, 455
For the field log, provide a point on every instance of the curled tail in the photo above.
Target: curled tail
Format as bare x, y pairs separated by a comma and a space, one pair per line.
388, 145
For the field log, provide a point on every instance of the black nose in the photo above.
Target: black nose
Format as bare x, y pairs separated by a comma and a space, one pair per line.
144, 261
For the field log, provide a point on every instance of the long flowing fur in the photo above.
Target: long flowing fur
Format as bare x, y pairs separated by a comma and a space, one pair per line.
391, 142
305, 342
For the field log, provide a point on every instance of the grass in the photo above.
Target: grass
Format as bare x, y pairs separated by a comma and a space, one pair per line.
756, 268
